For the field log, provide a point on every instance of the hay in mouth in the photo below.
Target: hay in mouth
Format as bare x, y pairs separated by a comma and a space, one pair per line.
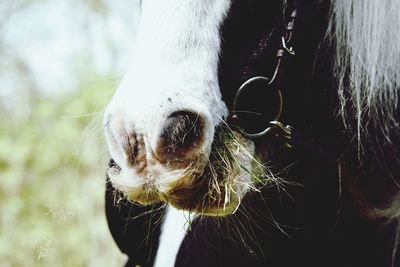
231, 170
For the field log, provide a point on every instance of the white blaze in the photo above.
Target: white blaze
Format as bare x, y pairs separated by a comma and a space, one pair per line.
174, 67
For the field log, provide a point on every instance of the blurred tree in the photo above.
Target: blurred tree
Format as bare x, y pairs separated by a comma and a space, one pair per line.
56, 60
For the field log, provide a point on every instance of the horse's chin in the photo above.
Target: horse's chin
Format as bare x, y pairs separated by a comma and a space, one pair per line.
194, 197
214, 189
197, 197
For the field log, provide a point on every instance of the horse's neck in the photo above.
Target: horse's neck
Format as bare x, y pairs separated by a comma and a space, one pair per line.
173, 231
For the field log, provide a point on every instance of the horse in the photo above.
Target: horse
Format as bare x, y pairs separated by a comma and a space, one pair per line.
258, 133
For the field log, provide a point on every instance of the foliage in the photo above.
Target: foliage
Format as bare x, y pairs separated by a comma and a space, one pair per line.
52, 171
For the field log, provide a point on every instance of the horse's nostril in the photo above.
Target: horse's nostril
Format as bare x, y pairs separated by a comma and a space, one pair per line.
182, 133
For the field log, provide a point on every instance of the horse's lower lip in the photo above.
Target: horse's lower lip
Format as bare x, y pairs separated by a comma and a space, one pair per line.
193, 197
145, 199
188, 205
218, 209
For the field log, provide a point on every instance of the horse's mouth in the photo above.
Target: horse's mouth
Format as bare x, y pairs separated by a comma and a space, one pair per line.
215, 188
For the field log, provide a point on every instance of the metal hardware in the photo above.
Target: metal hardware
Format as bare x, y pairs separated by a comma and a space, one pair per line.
275, 83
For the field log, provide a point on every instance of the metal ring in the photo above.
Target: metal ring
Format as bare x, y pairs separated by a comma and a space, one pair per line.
277, 116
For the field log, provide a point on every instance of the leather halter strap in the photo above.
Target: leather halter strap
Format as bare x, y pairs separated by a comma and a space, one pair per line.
283, 54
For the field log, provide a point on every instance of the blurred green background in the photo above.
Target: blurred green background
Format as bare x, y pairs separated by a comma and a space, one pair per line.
60, 62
